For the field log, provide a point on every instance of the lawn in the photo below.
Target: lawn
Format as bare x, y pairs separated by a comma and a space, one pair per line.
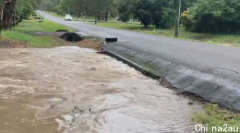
22, 33
34, 25
217, 117
31, 41
228, 40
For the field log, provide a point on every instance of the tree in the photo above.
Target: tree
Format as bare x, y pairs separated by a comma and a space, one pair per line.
1, 12
24, 8
142, 11
100, 8
203, 18
124, 10
12, 10
163, 13
8, 13
160, 13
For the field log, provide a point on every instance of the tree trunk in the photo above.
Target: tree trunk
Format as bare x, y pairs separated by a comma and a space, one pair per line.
1, 13
99, 15
78, 12
14, 20
0, 23
102, 15
80, 9
106, 15
8, 14
145, 25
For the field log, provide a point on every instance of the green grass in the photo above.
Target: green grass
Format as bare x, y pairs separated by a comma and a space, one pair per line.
32, 41
20, 33
215, 116
228, 40
34, 25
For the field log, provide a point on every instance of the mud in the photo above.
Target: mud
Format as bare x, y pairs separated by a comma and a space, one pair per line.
39, 88
5, 44
12, 44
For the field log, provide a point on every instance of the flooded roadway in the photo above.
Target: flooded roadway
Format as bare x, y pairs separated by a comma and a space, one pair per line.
39, 89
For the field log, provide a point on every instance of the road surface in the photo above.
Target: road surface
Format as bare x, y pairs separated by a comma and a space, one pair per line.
218, 60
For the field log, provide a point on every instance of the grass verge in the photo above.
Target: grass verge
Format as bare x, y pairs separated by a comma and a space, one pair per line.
22, 36
34, 25
30, 41
218, 120
228, 40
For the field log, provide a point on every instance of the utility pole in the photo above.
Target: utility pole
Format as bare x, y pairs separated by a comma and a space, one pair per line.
178, 18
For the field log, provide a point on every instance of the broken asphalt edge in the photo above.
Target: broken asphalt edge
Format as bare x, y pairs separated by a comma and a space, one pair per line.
224, 92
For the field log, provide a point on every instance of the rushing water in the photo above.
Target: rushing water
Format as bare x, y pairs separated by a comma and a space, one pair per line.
39, 89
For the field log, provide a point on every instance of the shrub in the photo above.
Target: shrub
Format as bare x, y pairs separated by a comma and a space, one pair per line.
203, 18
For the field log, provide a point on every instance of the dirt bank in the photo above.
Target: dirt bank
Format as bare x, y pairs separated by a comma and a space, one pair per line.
5, 43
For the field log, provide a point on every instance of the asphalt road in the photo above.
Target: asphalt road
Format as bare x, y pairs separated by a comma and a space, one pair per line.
218, 60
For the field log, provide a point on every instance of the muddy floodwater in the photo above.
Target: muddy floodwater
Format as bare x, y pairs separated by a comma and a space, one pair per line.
39, 89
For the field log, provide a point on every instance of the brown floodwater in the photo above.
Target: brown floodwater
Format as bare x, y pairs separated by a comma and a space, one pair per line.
39, 89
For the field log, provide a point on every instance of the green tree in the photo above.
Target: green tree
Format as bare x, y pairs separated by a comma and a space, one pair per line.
100, 8
163, 13
142, 11
24, 8
223, 18
160, 13
125, 9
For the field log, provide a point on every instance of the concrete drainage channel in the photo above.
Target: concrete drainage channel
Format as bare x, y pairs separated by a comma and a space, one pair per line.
225, 93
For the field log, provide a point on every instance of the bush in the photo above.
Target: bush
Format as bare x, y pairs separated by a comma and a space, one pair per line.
161, 13
125, 17
24, 8
125, 10
203, 18
186, 22
168, 18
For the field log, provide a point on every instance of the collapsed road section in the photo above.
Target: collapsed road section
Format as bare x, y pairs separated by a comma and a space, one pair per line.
215, 89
